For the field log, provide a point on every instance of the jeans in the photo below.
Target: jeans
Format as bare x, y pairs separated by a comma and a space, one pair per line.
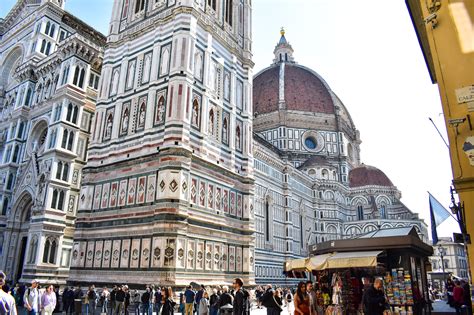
92, 306
145, 308
119, 308
158, 307
33, 312
150, 309
104, 306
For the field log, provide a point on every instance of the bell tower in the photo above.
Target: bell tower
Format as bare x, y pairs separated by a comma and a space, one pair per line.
168, 187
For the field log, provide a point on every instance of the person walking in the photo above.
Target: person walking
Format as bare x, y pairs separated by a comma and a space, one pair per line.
189, 295
112, 299
136, 301
374, 299
301, 300
120, 301
241, 298
225, 298
7, 302
198, 297
158, 299
146, 300
458, 296
48, 301
126, 303
168, 302
104, 297
213, 299
203, 308
312, 296
32, 299
92, 300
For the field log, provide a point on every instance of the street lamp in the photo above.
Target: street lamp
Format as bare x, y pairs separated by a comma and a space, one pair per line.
442, 253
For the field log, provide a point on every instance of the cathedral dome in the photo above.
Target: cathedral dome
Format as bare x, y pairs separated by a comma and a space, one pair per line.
366, 175
292, 87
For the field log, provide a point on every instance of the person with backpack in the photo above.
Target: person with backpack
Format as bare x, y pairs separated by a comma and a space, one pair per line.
32, 299
7, 302
92, 299
241, 298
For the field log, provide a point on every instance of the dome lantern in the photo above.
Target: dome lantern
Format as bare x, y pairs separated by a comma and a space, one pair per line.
283, 50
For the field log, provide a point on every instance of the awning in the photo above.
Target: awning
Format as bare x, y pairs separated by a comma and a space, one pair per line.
296, 264
352, 260
318, 262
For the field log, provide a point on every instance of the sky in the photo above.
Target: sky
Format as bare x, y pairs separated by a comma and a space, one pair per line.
368, 53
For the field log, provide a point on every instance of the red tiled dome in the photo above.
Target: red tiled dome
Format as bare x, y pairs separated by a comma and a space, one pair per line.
303, 90
366, 175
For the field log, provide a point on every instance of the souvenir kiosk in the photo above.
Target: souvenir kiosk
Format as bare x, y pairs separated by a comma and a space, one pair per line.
398, 256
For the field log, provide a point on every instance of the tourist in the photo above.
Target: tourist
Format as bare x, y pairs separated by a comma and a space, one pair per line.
136, 301
32, 299
146, 300
225, 298
119, 301
126, 303
458, 296
374, 299
467, 295
302, 300
168, 302
158, 300
449, 291
104, 298
92, 300
198, 297
189, 295
312, 296
48, 300
17, 294
203, 308
78, 301
112, 299
182, 304
241, 298
289, 302
213, 300
7, 302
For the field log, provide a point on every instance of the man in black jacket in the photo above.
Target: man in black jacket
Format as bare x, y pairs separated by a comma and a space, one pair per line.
241, 298
374, 299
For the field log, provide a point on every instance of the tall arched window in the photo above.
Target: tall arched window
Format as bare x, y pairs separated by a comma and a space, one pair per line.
70, 141
54, 199
43, 46
238, 138
16, 152
65, 75
50, 249
65, 171
10, 181
51, 32
126, 4
47, 244
212, 4
28, 97
64, 141
360, 212
267, 220
69, 112
81, 78
48, 49
59, 170
5, 206
46, 29
228, 11
139, 5
75, 78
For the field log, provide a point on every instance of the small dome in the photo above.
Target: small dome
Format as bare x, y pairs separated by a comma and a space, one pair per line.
366, 175
315, 161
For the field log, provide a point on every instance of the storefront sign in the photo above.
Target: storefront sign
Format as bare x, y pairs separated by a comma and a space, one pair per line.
465, 94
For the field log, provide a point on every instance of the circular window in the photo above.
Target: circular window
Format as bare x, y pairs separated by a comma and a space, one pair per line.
310, 143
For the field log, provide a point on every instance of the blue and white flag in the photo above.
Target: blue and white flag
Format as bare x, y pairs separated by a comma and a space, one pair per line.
438, 215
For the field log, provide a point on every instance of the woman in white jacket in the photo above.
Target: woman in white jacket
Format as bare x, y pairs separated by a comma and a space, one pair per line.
204, 304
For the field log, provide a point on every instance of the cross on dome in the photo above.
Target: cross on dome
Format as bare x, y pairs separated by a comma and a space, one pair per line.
283, 50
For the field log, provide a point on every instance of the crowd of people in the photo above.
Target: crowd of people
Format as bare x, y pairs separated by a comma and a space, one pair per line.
306, 299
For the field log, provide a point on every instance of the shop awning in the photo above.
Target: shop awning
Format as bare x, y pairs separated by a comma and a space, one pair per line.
318, 262
352, 260
296, 264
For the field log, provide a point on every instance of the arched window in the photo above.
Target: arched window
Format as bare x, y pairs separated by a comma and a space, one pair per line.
65, 171
228, 11
5, 206
51, 32
70, 141
75, 78
267, 220
64, 141
10, 181
65, 75
74, 114
126, 4
59, 170
212, 4
81, 78
54, 199
211, 122
50, 249
28, 97
238, 138
383, 213
33, 250
48, 49
225, 131
16, 152
139, 5
47, 244
325, 174
43, 46
360, 212
69, 112
48, 25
